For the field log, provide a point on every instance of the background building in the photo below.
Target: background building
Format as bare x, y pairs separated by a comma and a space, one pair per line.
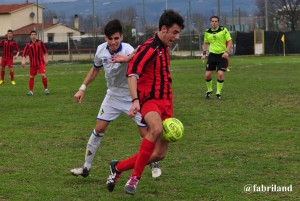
23, 18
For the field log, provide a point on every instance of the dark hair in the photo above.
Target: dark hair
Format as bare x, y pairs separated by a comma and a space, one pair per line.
169, 18
9, 30
33, 31
214, 17
112, 27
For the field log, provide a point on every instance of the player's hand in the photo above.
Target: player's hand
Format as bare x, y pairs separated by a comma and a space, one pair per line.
135, 108
46, 63
225, 55
79, 96
15, 57
119, 58
203, 57
23, 64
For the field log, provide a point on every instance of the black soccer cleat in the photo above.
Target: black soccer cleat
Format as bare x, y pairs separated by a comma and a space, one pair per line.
208, 94
113, 177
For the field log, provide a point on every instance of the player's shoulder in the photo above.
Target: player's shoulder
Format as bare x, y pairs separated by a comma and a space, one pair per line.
127, 48
126, 45
208, 30
39, 41
223, 28
101, 47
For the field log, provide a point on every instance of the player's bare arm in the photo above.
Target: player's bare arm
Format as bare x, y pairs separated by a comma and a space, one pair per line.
23, 61
16, 56
88, 79
119, 58
132, 84
204, 48
46, 59
227, 52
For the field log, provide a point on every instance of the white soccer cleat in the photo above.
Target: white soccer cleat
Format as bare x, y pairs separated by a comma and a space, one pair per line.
80, 171
155, 170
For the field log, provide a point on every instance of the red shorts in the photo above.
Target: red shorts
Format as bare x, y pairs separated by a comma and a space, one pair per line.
34, 70
8, 62
163, 106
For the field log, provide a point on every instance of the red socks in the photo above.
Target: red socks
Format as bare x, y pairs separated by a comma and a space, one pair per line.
126, 164
139, 160
12, 77
2, 74
31, 83
45, 82
146, 150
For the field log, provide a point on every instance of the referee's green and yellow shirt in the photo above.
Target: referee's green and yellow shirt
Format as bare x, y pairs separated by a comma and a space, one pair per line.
217, 39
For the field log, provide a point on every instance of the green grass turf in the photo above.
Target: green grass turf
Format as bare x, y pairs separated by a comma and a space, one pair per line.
251, 136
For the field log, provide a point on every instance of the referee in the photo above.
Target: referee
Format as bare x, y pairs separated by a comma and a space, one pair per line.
216, 37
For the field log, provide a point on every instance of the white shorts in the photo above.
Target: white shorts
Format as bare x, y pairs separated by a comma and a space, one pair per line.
111, 108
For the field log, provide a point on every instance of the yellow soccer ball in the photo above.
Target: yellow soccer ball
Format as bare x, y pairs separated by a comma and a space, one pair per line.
172, 130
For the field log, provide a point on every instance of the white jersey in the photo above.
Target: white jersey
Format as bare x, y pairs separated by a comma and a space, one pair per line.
115, 73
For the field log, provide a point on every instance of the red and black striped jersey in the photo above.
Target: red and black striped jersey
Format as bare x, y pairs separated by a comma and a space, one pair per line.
8, 47
151, 64
36, 52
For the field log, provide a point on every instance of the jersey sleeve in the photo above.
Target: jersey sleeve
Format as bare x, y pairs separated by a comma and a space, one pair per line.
128, 49
98, 62
142, 58
44, 47
17, 47
227, 35
206, 37
25, 51
97, 59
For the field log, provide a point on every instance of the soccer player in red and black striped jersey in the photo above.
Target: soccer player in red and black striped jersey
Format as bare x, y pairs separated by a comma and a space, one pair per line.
150, 85
8, 47
38, 58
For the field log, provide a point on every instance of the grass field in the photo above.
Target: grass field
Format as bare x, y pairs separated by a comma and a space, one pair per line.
251, 136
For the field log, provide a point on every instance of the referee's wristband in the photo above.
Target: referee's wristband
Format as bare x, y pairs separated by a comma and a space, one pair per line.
83, 87
134, 99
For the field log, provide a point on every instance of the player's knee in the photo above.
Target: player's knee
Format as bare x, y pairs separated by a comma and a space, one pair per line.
100, 130
156, 131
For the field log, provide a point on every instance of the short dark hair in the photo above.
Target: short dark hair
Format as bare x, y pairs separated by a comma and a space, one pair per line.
9, 31
33, 31
112, 27
169, 18
214, 17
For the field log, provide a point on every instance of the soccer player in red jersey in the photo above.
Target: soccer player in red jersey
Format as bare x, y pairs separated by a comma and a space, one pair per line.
38, 57
150, 85
8, 46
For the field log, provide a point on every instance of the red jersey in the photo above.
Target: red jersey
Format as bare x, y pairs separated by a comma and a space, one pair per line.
8, 47
152, 66
36, 52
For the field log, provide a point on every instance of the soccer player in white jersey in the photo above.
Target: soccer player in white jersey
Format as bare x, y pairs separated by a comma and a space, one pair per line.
117, 99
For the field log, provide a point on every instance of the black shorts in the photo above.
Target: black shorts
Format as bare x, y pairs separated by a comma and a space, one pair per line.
216, 62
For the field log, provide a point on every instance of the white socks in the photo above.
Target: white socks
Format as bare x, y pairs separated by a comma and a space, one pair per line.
92, 147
